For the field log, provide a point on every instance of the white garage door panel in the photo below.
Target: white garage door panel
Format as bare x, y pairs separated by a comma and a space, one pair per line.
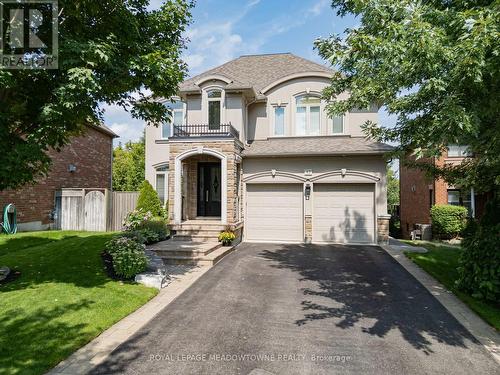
274, 212
343, 213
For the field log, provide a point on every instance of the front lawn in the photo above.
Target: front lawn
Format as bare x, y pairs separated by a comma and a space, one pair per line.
441, 262
62, 299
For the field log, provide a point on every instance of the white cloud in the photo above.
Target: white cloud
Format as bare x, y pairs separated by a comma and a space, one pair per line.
128, 131
317, 8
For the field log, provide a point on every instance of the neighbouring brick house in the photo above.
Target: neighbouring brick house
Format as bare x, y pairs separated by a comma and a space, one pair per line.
418, 193
85, 163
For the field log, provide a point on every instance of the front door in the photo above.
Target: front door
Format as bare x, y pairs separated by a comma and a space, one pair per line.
209, 193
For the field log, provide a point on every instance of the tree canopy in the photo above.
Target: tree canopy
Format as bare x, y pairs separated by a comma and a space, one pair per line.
129, 166
109, 50
433, 64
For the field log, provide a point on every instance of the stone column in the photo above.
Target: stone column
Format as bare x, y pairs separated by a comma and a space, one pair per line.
383, 229
308, 227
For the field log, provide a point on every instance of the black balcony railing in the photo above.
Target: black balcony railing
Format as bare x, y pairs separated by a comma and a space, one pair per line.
204, 130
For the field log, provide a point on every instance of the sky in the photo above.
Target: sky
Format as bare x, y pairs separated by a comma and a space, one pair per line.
222, 30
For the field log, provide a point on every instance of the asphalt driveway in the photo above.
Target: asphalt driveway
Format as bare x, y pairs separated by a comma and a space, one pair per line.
303, 309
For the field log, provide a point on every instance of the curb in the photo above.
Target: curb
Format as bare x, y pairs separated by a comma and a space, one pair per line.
485, 334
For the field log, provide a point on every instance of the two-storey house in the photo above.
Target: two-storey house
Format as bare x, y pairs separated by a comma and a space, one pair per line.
251, 146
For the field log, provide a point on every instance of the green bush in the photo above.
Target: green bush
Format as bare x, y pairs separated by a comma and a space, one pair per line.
157, 225
128, 256
448, 221
135, 219
149, 200
480, 260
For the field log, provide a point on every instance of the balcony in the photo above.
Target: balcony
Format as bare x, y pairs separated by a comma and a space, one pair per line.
205, 131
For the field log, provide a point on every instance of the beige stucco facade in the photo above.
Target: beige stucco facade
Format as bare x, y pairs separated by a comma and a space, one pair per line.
251, 114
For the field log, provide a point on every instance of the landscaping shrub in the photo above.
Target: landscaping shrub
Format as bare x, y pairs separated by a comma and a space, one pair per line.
157, 225
480, 260
135, 219
149, 200
128, 256
448, 221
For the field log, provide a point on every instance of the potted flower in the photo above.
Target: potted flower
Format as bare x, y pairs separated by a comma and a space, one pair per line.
226, 237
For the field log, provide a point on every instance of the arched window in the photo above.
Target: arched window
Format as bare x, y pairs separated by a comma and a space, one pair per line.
177, 109
214, 108
307, 115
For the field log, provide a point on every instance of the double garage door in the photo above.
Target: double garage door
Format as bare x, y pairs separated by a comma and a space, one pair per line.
341, 213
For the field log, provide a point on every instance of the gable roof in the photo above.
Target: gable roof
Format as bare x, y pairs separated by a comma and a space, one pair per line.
256, 71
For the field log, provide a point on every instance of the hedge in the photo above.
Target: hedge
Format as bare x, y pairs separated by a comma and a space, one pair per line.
448, 221
480, 259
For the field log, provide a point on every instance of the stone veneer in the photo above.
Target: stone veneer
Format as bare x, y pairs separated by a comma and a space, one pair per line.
383, 228
231, 148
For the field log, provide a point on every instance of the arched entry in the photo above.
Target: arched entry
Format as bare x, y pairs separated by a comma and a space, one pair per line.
210, 176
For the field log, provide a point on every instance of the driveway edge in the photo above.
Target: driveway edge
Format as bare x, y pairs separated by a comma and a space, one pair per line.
96, 351
484, 333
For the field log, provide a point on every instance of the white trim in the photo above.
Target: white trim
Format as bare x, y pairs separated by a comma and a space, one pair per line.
178, 181
315, 94
273, 120
205, 100
348, 172
213, 77
294, 76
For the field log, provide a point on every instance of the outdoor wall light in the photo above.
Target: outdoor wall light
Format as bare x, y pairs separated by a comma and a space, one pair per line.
307, 192
71, 168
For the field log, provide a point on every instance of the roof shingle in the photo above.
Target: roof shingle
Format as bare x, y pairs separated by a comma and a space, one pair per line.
321, 145
257, 71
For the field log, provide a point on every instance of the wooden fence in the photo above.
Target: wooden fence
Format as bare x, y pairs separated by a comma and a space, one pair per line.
97, 210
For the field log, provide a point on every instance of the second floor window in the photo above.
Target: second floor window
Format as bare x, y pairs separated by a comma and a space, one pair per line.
308, 114
279, 120
214, 108
458, 151
338, 125
177, 117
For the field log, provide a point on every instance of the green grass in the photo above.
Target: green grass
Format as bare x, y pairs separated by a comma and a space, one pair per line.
441, 262
62, 300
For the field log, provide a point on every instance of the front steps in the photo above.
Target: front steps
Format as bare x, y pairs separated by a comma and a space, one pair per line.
200, 230
189, 252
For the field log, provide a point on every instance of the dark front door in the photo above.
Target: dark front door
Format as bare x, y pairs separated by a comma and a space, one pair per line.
209, 193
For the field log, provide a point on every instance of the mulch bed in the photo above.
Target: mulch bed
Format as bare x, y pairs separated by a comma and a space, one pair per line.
13, 275
108, 265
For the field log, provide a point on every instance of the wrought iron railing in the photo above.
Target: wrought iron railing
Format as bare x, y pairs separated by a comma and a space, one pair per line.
205, 130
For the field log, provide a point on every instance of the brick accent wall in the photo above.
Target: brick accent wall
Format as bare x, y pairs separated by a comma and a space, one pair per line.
414, 199
91, 154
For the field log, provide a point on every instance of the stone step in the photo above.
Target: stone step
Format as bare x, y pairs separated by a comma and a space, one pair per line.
198, 227
195, 238
210, 259
189, 253
201, 232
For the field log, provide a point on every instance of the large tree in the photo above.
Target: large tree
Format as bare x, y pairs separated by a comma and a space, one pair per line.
109, 50
433, 64
129, 166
